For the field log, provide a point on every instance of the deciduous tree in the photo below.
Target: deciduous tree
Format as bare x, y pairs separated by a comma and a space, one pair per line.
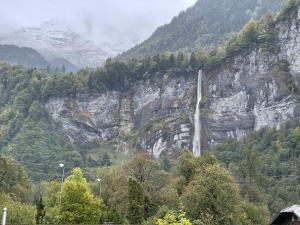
78, 204
213, 192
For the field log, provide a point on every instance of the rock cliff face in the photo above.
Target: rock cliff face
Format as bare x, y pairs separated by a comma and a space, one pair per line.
246, 94
153, 115
156, 115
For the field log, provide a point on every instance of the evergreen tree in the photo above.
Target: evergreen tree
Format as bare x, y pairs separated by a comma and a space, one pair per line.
166, 164
105, 160
135, 213
266, 33
180, 59
13, 179
40, 211
63, 68
248, 34
186, 166
171, 62
193, 61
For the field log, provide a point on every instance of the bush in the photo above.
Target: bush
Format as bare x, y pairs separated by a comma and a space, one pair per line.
17, 212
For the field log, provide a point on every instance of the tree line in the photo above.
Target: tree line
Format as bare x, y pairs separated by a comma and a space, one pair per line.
189, 190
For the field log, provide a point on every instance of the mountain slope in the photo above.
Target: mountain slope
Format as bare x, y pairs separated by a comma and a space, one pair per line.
27, 57
30, 58
207, 23
54, 39
267, 165
61, 63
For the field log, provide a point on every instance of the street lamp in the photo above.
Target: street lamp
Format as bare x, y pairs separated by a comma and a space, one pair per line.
61, 165
99, 180
4, 216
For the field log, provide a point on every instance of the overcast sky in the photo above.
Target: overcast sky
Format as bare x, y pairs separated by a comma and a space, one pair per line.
95, 17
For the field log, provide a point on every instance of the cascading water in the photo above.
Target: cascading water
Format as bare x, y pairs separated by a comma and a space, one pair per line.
197, 135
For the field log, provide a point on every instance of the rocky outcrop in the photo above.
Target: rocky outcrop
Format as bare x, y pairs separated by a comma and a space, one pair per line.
245, 94
152, 116
157, 115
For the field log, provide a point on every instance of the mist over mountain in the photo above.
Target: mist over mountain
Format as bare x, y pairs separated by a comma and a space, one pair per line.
85, 33
54, 39
30, 58
27, 57
62, 64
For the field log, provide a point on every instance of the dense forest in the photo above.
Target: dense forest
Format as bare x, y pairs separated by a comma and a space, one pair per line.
264, 168
266, 165
259, 176
206, 24
142, 191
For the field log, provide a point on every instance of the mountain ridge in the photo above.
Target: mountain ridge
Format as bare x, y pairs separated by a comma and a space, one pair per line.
25, 56
54, 39
30, 58
204, 25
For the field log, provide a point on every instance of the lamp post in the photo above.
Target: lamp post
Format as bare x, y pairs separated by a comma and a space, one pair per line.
4, 216
99, 180
61, 165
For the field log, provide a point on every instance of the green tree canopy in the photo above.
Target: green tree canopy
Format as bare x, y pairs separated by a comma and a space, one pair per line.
17, 212
13, 178
212, 192
136, 202
154, 182
78, 205
174, 218
186, 166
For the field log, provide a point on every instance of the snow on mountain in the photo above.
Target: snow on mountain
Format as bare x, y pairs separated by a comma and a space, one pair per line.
55, 39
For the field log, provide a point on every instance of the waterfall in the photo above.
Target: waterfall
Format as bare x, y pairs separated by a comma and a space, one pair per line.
197, 135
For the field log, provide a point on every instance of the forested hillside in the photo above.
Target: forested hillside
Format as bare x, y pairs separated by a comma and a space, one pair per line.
254, 179
266, 164
206, 24
30, 58
27, 133
22, 56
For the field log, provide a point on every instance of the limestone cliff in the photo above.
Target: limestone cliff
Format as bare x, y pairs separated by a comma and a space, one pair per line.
242, 95
246, 94
153, 115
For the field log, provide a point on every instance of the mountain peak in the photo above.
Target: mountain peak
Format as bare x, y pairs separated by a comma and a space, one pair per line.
55, 24
57, 39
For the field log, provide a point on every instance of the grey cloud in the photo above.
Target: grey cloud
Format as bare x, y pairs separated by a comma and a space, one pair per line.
101, 20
